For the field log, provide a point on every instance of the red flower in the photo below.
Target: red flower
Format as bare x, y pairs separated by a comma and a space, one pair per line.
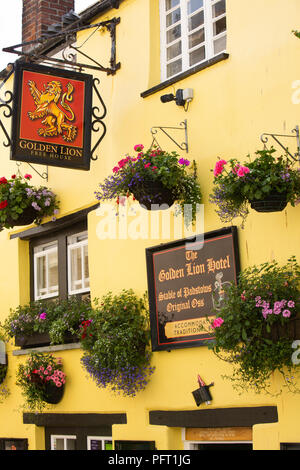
13, 176
3, 204
27, 176
3, 180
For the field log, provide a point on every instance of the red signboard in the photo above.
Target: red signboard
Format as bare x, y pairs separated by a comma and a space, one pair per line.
52, 116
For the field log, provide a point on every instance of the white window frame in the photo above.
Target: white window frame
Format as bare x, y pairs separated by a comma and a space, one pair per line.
61, 436
98, 438
43, 251
71, 246
209, 40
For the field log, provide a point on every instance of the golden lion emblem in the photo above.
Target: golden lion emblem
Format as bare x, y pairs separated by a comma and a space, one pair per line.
46, 106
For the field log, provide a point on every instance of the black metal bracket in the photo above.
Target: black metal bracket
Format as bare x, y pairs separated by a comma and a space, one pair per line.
265, 138
68, 36
98, 119
183, 146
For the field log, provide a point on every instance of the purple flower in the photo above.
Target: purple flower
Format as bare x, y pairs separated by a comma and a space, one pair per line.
182, 161
43, 316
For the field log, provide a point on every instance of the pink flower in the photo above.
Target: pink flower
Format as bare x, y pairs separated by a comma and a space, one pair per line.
286, 313
116, 169
219, 167
138, 147
243, 297
217, 322
154, 168
27, 176
242, 171
147, 165
43, 316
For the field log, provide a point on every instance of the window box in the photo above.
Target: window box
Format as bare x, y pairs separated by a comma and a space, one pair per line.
41, 339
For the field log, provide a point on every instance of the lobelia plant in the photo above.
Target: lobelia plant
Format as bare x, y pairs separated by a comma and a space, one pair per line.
115, 341
55, 317
41, 379
257, 324
146, 177
18, 198
236, 186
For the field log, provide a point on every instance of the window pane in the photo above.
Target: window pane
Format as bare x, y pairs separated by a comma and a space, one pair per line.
196, 38
196, 20
173, 17
41, 275
197, 56
52, 271
220, 26
174, 51
219, 8
71, 444
174, 68
108, 445
59, 444
194, 5
220, 45
76, 269
171, 4
86, 267
174, 33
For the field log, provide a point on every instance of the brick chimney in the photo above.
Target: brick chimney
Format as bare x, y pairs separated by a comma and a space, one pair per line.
37, 15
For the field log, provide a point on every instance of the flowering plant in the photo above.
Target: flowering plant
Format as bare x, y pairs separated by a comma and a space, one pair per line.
41, 379
56, 317
236, 185
139, 176
257, 324
115, 343
18, 197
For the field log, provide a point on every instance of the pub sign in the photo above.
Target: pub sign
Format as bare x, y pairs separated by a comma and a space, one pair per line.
186, 287
51, 116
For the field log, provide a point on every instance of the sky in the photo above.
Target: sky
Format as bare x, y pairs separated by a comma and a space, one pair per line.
11, 26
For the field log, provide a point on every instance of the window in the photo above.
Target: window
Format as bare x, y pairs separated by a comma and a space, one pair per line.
45, 271
78, 268
59, 264
63, 442
192, 31
99, 443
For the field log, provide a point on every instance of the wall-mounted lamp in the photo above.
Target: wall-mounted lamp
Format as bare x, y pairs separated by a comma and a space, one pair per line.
182, 97
202, 394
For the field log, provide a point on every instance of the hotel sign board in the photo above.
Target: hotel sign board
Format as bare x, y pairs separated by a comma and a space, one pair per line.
186, 287
51, 116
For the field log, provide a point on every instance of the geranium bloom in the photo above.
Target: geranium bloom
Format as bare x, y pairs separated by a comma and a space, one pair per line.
3, 180
147, 165
3, 204
116, 169
219, 167
217, 322
242, 171
43, 316
27, 176
138, 147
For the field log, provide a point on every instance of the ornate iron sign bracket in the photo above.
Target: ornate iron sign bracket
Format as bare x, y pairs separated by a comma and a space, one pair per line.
68, 37
98, 119
265, 138
183, 146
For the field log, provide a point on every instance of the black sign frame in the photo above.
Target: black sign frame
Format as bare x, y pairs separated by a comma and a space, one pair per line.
158, 338
67, 157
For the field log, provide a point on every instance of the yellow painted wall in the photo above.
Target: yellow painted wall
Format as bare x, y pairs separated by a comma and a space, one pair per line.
235, 101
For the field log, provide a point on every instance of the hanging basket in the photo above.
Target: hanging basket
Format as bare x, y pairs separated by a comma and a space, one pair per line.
274, 202
290, 331
26, 218
52, 393
153, 193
